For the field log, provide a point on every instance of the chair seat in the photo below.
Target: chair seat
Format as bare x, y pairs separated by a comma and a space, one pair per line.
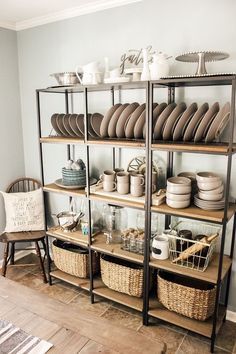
22, 236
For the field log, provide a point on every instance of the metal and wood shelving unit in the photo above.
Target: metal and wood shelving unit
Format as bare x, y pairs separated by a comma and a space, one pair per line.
219, 269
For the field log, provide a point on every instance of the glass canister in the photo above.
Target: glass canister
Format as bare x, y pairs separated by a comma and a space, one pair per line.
116, 221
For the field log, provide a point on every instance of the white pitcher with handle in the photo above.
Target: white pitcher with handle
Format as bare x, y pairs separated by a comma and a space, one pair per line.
91, 74
159, 66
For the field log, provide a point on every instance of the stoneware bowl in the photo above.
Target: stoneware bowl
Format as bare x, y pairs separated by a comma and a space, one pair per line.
179, 185
213, 197
209, 186
214, 191
177, 204
178, 197
205, 177
190, 175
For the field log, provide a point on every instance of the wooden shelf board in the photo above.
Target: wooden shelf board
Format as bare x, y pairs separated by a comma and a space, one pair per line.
133, 302
96, 142
61, 140
119, 143
52, 187
221, 149
116, 201
210, 274
71, 279
75, 237
115, 250
201, 327
193, 212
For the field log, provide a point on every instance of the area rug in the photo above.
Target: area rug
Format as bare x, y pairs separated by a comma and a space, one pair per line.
14, 340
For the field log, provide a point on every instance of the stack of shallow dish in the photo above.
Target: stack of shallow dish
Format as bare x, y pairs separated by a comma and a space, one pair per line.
210, 191
178, 192
73, 177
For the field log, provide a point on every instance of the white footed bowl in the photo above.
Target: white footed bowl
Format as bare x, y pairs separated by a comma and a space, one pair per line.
209, 186
213, 197
178, 197
177, 204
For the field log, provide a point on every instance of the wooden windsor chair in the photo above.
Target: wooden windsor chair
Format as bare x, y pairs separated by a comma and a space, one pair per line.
24, 184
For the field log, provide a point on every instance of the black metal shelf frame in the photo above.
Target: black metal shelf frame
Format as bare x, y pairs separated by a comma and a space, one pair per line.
149, 87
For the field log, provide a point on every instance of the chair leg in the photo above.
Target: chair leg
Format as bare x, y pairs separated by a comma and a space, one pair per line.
12, 259
40, 261
5, 256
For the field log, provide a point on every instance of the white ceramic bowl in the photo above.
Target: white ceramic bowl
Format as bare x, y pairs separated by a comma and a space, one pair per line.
178, 197
214, 191
205, 177
209, 186
211, 197
190, 175
177, 204
178, 181
179, 189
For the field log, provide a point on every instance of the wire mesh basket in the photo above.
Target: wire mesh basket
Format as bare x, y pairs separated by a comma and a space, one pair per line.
179, 246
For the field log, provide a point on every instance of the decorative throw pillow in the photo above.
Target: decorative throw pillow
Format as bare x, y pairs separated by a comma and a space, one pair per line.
24, 211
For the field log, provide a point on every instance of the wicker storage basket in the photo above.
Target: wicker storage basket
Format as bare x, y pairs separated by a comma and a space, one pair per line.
195, 300
117, 275
67, 259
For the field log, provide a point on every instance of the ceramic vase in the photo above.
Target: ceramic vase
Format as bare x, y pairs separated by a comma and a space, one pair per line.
145, 76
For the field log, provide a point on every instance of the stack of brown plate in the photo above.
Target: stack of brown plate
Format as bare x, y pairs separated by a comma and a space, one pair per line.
72, 125
172, 122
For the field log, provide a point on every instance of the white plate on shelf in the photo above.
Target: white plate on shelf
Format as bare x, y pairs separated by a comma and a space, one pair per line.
59, 183
116, 80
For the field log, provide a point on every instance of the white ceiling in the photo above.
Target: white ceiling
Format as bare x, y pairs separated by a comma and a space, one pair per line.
22, 14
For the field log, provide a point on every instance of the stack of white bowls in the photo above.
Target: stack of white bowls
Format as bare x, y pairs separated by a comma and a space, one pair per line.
178, 192
210, 191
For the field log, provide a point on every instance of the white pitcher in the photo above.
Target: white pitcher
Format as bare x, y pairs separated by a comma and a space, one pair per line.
159, 66
91, 74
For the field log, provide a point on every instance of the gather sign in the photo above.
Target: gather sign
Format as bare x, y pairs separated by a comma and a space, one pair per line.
133, 58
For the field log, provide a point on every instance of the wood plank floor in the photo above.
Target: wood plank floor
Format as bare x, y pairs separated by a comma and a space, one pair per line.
78, 332
176, 340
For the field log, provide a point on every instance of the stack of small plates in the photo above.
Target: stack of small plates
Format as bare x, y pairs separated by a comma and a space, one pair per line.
210, 191
178, 192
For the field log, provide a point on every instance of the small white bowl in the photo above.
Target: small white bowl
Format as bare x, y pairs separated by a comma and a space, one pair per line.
177, 204
209, 186
213, 197
178, 197
205, 177
214, 191
179, 189
190, 175
178, 181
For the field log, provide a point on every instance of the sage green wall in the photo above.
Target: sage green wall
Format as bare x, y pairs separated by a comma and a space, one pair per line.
171, 26
11, 142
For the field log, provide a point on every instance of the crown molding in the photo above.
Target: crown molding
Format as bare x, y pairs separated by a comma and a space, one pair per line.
98, 5
8, 25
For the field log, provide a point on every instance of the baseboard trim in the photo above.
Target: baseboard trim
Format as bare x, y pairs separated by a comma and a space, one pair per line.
231, 316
